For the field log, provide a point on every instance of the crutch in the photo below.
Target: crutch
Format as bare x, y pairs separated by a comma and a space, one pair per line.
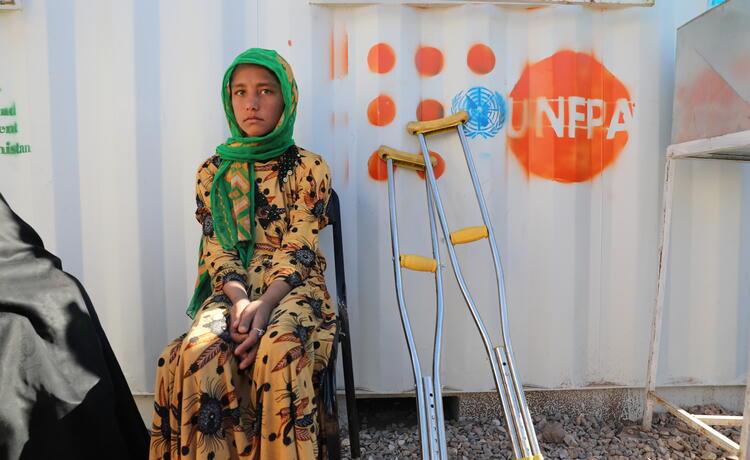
517, 416
428, 388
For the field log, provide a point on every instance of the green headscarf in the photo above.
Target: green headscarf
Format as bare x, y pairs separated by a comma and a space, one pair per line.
238, 155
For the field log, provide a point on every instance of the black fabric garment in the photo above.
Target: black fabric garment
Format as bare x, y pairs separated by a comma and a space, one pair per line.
62, 392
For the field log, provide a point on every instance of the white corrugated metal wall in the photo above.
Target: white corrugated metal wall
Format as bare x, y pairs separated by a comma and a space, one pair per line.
119, 103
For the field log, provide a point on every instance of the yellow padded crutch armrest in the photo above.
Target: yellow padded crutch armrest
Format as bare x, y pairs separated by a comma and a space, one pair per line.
403, 159
438, 126
418, 263
469, 234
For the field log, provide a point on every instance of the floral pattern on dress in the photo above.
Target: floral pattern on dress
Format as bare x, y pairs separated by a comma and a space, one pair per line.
204, 406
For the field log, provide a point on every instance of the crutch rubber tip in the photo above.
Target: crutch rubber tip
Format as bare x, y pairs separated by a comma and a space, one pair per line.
469, 234
417, 263
437, 126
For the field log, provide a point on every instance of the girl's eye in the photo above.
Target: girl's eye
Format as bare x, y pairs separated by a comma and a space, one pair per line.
239, 92
266, 91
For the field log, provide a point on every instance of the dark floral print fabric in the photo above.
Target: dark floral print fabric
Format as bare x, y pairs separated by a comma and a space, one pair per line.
204, 406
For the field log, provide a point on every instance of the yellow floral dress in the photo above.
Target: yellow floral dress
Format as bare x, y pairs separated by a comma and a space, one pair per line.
204, 406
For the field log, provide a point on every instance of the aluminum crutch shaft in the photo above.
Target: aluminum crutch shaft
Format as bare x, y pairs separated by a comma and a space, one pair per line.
517, 415
515, 426
428, 389
504, 328
439, 315
405, 317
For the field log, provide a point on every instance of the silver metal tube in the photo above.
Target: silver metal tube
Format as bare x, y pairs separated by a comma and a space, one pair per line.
439, 314
502, 357
433, 431
524, 408
423, 416
499, 274
514, 429
515, 411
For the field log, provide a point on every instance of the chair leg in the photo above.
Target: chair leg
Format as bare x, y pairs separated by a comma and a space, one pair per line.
328, 434
334, 445
351, 402
343, 336
331, 437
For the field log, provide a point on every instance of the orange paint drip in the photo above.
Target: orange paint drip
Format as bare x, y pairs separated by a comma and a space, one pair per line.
332, 57
381, 110
345, 174
377, 168
381, 58
429, 109
429, 61
438, 169
339, 56
568, 117
480, 59
344, 67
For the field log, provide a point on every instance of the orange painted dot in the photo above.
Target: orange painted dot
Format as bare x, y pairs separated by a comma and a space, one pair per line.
381, 58
289, 42
429, 61
480, 59
377, 168
429, 109
381, 111
438, 169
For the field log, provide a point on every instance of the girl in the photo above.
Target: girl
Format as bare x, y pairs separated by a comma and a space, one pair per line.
242, 381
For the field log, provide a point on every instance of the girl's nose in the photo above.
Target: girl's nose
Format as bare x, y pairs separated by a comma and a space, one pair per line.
252, 103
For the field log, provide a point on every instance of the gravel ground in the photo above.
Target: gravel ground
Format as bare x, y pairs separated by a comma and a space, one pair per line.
389, 431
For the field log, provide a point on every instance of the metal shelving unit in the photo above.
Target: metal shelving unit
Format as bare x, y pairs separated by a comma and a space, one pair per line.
729, 147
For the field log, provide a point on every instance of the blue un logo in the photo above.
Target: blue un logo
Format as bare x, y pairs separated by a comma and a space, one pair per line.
486, 110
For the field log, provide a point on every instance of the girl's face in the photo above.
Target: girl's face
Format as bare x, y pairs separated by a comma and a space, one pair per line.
257, 101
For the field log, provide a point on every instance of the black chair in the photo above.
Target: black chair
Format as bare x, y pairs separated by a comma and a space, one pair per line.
329, 415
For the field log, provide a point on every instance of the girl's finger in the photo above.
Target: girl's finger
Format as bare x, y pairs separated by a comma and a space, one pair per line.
237, 337
246, 320
247, 344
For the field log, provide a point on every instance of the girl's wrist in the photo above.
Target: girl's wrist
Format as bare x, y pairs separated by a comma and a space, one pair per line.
264, 304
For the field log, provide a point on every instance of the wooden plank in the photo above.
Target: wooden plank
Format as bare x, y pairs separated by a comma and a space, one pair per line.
656, 317
732, 146
694, 423
720, 420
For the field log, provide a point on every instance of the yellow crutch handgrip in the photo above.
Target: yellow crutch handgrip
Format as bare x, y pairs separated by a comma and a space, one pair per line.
438, 126
469, 234
403, 159
418, 263
533, 457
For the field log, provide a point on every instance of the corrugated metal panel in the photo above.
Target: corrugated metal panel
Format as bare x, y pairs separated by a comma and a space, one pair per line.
119, 103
